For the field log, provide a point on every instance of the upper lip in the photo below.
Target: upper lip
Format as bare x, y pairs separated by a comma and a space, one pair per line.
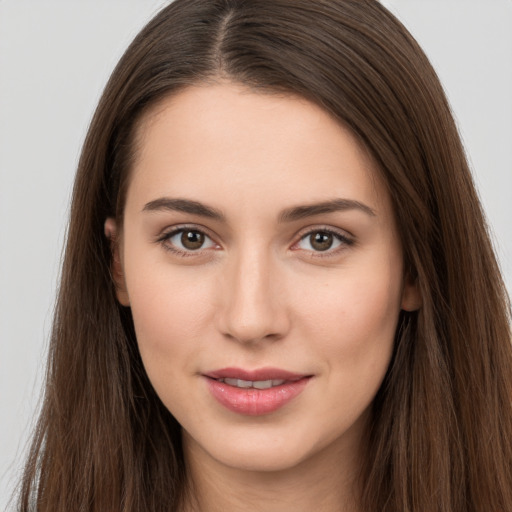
255, 375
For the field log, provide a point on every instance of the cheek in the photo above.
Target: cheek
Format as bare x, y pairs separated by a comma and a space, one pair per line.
170, 310
354, 322
356, 304
355, 332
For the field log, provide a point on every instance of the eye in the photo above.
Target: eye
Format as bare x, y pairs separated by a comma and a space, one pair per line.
322, 240
187, 240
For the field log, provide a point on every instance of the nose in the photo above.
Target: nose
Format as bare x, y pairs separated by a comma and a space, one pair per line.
253, 303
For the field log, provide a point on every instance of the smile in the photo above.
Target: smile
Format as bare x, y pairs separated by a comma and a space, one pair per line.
257, 384
254, 393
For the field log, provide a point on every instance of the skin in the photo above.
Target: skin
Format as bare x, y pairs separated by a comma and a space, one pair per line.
259, 293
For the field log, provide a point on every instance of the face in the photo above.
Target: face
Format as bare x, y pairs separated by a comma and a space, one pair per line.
262, 265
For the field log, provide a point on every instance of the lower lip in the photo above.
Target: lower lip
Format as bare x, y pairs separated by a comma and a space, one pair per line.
255, 402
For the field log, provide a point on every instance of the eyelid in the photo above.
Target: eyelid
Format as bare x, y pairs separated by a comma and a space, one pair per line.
346, 239
166, 234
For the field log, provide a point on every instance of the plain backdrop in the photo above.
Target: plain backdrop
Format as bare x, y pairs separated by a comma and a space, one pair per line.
55, 57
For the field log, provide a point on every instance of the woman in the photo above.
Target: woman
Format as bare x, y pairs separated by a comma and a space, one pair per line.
278, 291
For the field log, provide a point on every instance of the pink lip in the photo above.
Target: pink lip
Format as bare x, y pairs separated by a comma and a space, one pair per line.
251, 401
260, 374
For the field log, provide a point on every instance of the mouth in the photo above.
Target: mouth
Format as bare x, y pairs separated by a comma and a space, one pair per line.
255, 392
255, 384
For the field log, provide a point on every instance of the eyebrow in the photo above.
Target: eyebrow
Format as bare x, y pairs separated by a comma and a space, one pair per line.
335, 205
289, 215
185, 206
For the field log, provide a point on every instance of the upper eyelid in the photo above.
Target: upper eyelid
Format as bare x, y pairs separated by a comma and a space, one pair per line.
164, 240
170, 231
346, 240
165, 235
343, 233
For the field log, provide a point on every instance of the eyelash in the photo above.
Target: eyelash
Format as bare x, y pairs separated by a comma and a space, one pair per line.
344, 241
166, 237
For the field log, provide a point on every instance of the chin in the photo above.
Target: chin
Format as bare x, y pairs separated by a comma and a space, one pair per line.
258, 460
269, 451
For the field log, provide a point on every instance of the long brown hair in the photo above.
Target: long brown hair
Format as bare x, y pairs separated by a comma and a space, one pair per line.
440, 438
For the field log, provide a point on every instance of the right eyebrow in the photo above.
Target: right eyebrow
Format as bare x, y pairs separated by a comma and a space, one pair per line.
185, 206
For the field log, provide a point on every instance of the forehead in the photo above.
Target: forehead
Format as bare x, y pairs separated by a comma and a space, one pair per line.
225, 138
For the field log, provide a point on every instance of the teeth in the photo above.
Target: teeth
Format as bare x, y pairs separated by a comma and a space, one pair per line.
239, 383
262, 384
258, 384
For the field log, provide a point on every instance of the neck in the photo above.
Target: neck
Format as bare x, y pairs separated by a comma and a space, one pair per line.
326, 482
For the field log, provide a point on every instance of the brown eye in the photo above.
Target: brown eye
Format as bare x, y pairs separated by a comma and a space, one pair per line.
187, 241
192, 240
321, 240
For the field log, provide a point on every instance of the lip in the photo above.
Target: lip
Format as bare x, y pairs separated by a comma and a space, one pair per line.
251, 401
259, 374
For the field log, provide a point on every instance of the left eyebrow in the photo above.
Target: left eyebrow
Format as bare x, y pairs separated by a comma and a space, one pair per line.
335, 205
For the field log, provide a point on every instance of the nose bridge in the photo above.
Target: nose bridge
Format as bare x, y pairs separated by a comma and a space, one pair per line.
252, 308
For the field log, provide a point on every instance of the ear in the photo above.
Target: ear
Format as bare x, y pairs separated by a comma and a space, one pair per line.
411, 296
116, 267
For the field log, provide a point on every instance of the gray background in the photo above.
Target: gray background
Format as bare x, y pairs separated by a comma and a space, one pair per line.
55, 57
